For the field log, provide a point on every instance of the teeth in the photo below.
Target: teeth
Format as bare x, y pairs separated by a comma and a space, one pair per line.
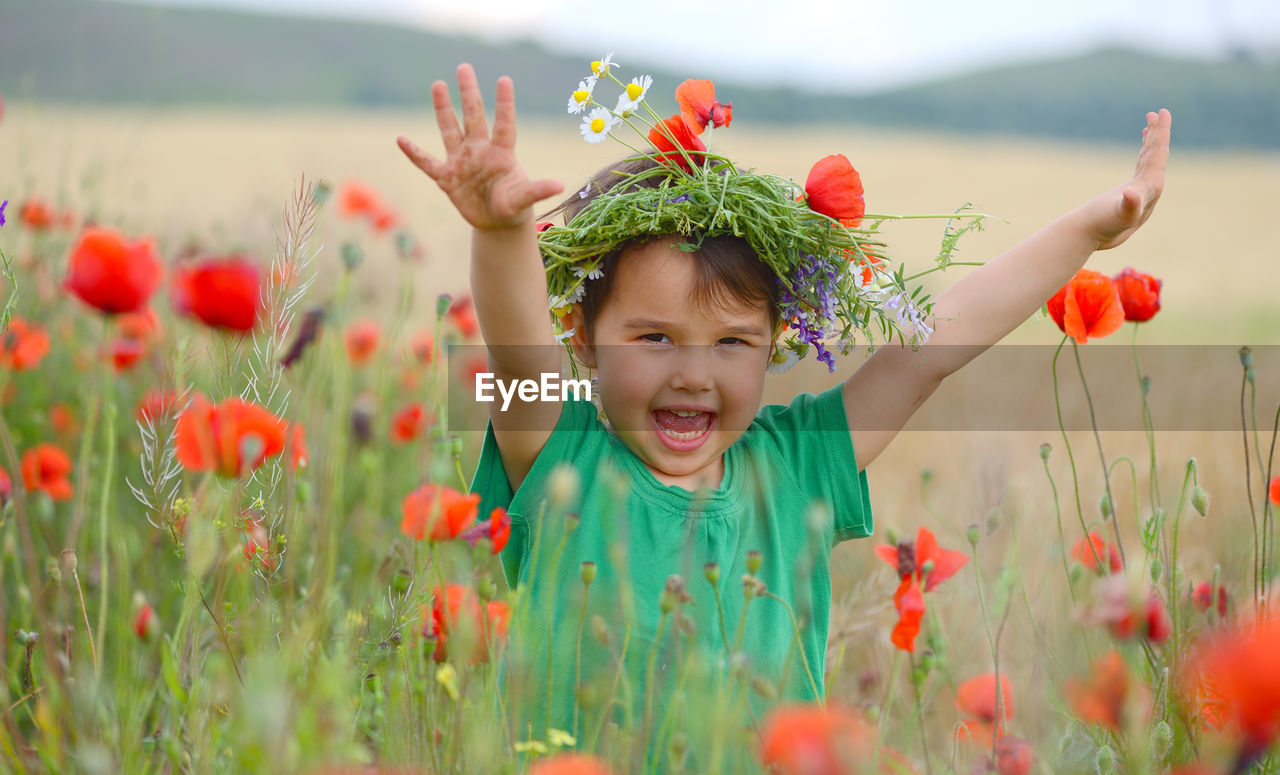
685, 412
687, 436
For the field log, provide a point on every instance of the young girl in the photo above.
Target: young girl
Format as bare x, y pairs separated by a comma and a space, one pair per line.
694, 525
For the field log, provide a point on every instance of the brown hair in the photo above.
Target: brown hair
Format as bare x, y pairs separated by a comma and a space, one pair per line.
727, 270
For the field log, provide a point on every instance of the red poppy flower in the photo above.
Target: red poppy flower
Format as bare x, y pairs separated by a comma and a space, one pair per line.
699, 107
1273, 491
909, 602
155, 405
810, 740
1202, 598
406, 424
437, 513
362, 338
298, 443
976, 699
910, 558
497, 528
571, 764
834, 189
1111, 689
1087, 554
257, 544
231, 438
423, 347
462, 627
108, 272
1014, 756
36, 214
542, 226
673, 134
223, 293
462, 313
23, 345
46, 467
1087, 306
145, 623
62, 420
356, 199
1139, 295
125, 353
1237, 669
6, 487
384, 219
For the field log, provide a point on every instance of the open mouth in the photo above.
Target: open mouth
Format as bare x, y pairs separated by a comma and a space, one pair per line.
683, 429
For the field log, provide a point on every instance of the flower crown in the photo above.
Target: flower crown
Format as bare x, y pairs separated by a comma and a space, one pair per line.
835, 277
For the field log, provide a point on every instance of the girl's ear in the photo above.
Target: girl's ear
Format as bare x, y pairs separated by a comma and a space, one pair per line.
580, 342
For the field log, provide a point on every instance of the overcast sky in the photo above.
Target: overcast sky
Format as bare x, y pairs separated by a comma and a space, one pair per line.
855, 44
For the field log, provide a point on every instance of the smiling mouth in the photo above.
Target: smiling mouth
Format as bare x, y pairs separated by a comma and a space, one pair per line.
683, 429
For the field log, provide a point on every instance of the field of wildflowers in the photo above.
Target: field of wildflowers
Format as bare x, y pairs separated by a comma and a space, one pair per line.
235, 538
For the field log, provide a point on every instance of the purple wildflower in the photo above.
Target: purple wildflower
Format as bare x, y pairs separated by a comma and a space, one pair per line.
2, 206
820, 277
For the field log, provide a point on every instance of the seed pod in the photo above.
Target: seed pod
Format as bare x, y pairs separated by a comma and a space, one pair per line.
587, 572
352, 256
1161, 740
994, 519
712, 571
764, 688
1246, 357
754, 561
973, 534
1104, 761
1045, 449
1104, 506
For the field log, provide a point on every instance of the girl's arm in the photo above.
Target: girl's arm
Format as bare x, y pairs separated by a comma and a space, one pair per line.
987, 304
491, 191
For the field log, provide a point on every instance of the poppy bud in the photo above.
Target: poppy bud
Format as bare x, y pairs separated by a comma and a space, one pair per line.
352, 256
994, 519
748, 586
1077, 570
1104, 506
320, 192
69, 562
587, 572
1156, 570
764, 688
486, 590
564, 485
679, 744
973, 534
712, 571
1161, 740
1246, 357
1146, 385
400, 582
145, 623
1200, 501
1044, 451
926, 476
754, 561
1104, 761
443, 302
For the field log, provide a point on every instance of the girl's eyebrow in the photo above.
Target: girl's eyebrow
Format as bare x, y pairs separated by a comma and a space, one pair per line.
650, 324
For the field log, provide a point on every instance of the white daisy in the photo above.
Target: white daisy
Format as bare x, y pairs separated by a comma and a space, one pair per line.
594, 272
596, 125
629, 101
782, 360
564, 336
600, 68
576, 294
581, 97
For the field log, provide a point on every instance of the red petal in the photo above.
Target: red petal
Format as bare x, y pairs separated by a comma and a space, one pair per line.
889, 554
909, 601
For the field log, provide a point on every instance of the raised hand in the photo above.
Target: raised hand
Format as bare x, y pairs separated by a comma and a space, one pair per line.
1119, 212
480, 173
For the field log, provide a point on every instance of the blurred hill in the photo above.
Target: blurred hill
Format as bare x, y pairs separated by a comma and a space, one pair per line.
89, 51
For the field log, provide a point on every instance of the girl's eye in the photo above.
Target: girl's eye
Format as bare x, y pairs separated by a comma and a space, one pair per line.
732, 340
654, 337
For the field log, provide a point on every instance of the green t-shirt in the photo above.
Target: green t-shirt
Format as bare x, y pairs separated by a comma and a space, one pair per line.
790, 491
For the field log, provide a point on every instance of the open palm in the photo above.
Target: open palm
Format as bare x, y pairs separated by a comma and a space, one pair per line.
1139, 195
480, 173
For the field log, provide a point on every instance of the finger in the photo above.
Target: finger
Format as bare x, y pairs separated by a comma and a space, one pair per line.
421, 159
473, 120
535, 191
504, 114
1130, 207
446, 119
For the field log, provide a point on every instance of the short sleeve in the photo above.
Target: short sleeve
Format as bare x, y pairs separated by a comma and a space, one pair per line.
812, 439
578, 436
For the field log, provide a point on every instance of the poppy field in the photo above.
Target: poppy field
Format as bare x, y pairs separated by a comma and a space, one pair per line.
235, 533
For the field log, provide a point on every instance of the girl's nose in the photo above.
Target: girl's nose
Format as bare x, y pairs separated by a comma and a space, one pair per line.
692, 369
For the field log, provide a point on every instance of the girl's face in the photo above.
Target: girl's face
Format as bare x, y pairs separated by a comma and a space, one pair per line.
679, 381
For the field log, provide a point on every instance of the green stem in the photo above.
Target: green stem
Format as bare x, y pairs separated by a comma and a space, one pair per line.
1062, 539
1188, 477
804, 659
108, 475
1102, 457
577, 658
648, 681
887, 704
1248, 488
1071, 458
1148, 424
933, 269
